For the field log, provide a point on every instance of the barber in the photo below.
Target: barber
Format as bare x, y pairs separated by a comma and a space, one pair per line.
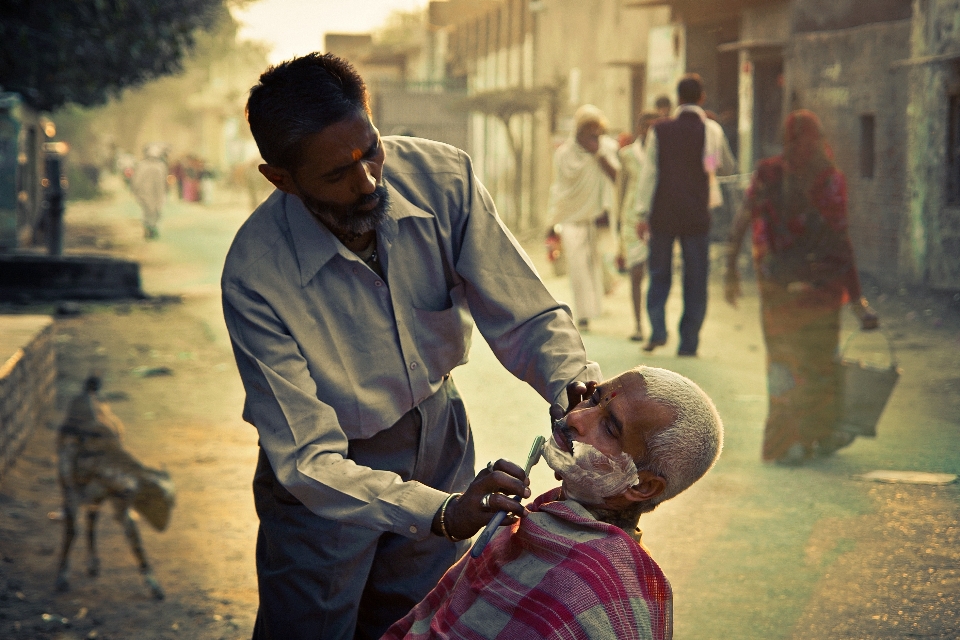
350, 294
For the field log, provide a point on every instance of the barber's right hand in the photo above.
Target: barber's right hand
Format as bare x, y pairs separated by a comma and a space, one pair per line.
577, 392
467, 514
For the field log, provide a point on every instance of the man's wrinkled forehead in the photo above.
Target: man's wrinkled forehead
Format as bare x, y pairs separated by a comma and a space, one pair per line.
628, 386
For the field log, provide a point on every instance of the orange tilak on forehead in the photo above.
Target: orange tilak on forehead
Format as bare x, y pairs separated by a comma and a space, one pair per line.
356, 154
610, 391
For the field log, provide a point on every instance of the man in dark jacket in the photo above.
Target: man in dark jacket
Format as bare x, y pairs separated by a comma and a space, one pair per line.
684, 155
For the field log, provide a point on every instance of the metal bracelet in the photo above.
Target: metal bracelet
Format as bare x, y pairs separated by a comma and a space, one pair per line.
443, 518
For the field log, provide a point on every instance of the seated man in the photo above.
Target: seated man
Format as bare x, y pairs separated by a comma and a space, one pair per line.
573, 567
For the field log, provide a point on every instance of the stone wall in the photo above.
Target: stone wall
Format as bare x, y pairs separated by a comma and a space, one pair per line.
27, 380
931, 231
845, 77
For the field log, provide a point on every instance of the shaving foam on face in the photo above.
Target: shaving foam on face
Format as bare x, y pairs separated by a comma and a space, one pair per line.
589, 475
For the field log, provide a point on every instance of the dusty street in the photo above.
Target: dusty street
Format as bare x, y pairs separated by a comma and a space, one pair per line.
752, 551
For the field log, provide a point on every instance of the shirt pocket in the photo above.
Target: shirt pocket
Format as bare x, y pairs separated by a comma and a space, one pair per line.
443, 337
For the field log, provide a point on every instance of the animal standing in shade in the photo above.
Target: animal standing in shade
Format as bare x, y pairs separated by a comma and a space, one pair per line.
94, 467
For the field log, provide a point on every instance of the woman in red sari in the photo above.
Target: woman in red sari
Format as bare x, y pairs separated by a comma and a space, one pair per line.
797, 208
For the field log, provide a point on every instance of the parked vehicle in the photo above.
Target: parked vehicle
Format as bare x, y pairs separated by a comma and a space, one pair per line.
32, 184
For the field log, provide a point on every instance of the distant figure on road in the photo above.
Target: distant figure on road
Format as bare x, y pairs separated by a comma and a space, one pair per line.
684, 153
574, 567
634, 232
149, 186
585, 167
350, 295
663, 106
797, 206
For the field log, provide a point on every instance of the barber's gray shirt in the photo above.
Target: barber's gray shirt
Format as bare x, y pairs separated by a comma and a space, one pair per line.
330, 351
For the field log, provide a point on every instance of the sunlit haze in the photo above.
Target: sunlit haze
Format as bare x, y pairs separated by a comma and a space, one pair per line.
296, 27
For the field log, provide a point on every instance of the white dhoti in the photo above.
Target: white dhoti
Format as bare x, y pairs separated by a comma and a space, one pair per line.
581, 192
585, 268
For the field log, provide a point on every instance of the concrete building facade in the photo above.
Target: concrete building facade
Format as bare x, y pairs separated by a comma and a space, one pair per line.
529, 65
410, 92
884, 77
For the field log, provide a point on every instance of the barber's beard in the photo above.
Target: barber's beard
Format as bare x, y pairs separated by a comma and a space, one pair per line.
350, 222
588, 475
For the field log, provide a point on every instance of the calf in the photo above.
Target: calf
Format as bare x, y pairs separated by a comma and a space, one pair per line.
94, 467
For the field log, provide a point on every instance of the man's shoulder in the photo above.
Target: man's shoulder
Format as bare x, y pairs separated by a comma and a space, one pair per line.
429, 174
601, 563
715, 127
683, 120
410, 157
572, 522
257, 237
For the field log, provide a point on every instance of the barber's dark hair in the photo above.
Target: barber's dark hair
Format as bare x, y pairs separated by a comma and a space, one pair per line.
690, 88
301, 97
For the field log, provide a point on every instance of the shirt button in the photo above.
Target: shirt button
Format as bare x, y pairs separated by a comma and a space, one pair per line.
378, 283
413, 528
413, 365
356, 271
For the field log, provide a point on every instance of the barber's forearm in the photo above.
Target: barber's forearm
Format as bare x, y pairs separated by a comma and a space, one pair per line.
546, 351
336, 488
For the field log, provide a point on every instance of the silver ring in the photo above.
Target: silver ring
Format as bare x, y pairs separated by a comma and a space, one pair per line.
485, 500
490, 466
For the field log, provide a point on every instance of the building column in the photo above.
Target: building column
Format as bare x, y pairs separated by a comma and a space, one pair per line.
745, 115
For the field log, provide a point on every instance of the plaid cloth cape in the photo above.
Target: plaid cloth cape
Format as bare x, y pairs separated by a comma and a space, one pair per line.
557, 574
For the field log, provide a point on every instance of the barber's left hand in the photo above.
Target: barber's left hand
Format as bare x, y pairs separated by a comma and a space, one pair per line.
467, 514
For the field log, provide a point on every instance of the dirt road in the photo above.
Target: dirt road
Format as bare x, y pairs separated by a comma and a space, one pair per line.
169, 375
753, 551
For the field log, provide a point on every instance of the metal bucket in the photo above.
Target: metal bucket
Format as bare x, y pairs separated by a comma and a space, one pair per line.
866, 388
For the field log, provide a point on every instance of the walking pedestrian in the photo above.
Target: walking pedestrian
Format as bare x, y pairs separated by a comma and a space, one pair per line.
683, 153
149, 186
585, 167
797, 206
634, 232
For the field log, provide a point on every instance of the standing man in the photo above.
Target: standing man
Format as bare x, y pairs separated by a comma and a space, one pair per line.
683, 153
584, 170
350, 294
149, 186
632, 231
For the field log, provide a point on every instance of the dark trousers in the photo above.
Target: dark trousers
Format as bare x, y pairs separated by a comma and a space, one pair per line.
322, 579
696, 266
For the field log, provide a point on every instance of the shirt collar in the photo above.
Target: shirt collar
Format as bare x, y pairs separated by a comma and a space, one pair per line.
691, 108
315, 245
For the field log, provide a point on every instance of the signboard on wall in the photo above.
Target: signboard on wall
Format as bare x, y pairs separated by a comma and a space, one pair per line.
666, 62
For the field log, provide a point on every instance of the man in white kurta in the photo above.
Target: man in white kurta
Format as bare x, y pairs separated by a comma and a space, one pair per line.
584, 169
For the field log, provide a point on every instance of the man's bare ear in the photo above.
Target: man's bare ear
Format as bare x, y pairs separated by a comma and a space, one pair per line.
280, 178
650, 486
